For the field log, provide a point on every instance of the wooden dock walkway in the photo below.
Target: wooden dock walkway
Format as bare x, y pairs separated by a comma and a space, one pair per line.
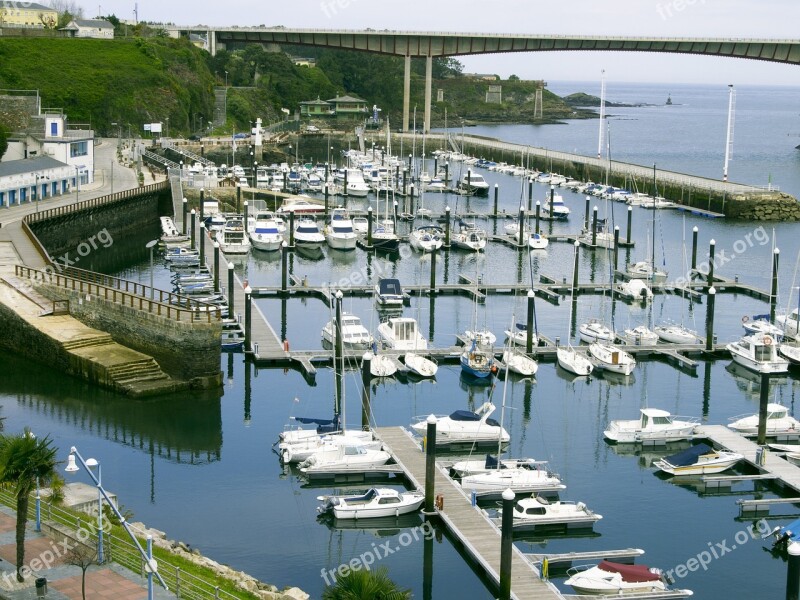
479, 538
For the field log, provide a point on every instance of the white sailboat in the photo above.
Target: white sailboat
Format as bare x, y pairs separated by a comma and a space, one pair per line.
568, 357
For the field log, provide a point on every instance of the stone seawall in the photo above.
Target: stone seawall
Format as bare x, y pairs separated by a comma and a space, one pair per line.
186, 351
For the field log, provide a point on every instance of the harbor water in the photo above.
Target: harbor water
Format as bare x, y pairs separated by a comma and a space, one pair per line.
200, 466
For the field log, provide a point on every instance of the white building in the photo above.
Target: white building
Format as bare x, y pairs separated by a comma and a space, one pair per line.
90, 28
26, 180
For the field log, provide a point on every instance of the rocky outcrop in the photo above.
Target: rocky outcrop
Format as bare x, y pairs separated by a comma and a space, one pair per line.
766, 206
241, 579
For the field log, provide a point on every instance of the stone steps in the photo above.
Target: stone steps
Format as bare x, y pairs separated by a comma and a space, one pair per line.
88, 342
138, 371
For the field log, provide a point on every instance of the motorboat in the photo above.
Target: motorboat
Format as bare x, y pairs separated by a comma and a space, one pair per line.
266, 232
427, 238
595, 331
401, 333
677, 334
520, 363
560, 211
182, 255
597, 239
639, 336
759, 353
701, 459
467, 426
356, 186
296, 444
790, 352
538, 241
300, 205
610, 578
469, 237
463, 468
654, 426
232, 238
477, 362
473, 184
375, 503
332, 456
339, 231
307, 234
360, 226
519, 335
524, 478
635, 289
382, 366
609, 357
644, 270
574, 361
354, 335
388, 292
537, 512
761, 324
785, 535
789, 324
384, 237
778, 421
419, 365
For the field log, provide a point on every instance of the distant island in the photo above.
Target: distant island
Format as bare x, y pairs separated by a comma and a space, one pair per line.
581, 100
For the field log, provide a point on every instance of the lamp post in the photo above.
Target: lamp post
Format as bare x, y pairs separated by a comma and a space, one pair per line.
77, 184
150, 246
36, 189
151, 566
167, 127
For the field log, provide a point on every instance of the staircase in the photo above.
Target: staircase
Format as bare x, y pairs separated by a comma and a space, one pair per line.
87, 342
220, 104
158, 159
169, 145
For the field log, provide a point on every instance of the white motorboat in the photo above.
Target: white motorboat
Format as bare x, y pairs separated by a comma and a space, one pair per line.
473, 183
401, 333
469, 237
354, 335
232, 238
388, 292
382, 366
639, 336
467, 426
644, 270
428, 238
600, 239
483, 337
778, 421
607, 357
759, 353
375, 503
525, 478
635, 289
339, 232
789, 324
677, 334
654, 426
701, 459
537, 512
360, 225
463, 468
538, 241
307, 234
520, 364
182, 255
595, 331
266, 232
300, 205
419, 365
610, 578
574, 361
519, 335
296, 445
790, 352
356, 186
560, 211
761, 324
332, 456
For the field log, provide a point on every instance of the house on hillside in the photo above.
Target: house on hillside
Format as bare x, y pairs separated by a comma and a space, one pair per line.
198, 41
316, 108
40, 178
90, 28
348, 105
27, 14
481, 76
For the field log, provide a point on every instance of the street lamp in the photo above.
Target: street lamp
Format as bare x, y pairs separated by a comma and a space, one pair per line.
77, 184
226, 79
150, 245
167, 127
151, 565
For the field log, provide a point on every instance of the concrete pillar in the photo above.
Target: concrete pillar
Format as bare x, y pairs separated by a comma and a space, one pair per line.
630, 225
366, 377
433, 272
216, 266
344, 191
194, 230
496, 192
326, 195
538, 215
506, 543
447, 227
529, 324
763, 401
406, 93
428, 82
522, 223
369, 227
246, 211
185, 212
202, 203
616, 246
284, 266
231, 310
793, 573
552, 199
711, 255
694, 252
712, 294
594, 227
248, 317
430, 463
239, 194
575, 270
530, 193
773, 296
202, 243
586, 214
291, 229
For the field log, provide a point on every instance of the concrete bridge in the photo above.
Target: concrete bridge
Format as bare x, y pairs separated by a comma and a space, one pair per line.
428, 45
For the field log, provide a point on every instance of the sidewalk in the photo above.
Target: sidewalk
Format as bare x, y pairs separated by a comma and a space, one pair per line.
63, 581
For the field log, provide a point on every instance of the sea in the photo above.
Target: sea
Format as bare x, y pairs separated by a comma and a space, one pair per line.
200, 465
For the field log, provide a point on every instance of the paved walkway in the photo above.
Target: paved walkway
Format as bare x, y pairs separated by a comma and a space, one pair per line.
63, 581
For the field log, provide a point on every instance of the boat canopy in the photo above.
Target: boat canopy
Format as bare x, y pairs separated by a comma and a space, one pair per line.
630, 573
464, 415
493, 463
522, 326
790, 531
690, 456
390, 286
324, 425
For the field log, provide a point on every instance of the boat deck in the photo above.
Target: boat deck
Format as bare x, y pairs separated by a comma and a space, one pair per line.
478, 536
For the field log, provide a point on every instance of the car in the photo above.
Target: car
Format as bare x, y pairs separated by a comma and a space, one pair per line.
241, 136
312, 129
195, 138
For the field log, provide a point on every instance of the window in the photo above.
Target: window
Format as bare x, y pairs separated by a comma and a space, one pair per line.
78, 149
54, 129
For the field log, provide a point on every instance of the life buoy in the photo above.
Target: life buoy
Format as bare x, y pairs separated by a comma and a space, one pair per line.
767, 340
745, 319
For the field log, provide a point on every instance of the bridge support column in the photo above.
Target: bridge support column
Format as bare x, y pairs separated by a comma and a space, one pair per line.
406, 92
428, 83
712, 295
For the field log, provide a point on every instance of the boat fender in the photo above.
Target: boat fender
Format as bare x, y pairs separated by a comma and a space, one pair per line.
580, 506
287, 456
745, 319
767, 340
285, 345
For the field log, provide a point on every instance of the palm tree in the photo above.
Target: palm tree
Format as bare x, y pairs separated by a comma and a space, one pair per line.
365, 585
25, 462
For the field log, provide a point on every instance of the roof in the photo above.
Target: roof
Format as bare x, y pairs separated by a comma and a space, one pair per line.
347, 99
93, 23
27, 5
317, 101
29, 165
654, 412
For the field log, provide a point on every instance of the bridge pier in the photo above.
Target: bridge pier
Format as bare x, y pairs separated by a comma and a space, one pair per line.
406, 95
428, 83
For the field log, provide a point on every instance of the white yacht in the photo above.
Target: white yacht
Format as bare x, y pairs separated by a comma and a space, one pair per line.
677, 334
375, 503
473, 183
654, 426
639, 336
419, 365
595, 331
607, 357
307, 234
427, 238
525, 478
609, 578
469, 237
331, 456
339, 232
574, 361
356, 186
266, 232
759, 353
778, 421
520, 363
644, 270
232, 239
300, 205
354, 335
388, 292
519, 335
789, 324
536, 512
402, 333
761, 324
467, 426
382, 366
635, 289
560, 210
698, 460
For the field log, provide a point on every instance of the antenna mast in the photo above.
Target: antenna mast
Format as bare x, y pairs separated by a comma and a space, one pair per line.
602, 112
729, 141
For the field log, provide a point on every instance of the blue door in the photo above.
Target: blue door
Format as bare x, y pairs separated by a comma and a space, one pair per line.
64, 187
23, 195
44, 191
12, 197
2, 199
54, 187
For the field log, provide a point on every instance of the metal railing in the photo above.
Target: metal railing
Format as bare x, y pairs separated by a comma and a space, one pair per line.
122, 551
126, 293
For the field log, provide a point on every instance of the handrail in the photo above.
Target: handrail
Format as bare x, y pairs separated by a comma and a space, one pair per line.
125, 298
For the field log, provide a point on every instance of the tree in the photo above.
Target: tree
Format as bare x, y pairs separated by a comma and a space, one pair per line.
25, 462
81, 556
3, 145
513, 78
365, 585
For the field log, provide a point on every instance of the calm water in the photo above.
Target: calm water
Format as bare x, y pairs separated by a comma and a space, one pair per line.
200, 466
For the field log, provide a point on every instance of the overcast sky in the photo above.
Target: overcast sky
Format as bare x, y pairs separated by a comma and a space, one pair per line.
774, 19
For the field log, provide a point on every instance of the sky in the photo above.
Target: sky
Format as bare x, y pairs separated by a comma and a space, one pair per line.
772, 19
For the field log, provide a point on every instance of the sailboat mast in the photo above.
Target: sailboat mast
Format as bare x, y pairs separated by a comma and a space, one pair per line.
602, 112
503, 405
653, 248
